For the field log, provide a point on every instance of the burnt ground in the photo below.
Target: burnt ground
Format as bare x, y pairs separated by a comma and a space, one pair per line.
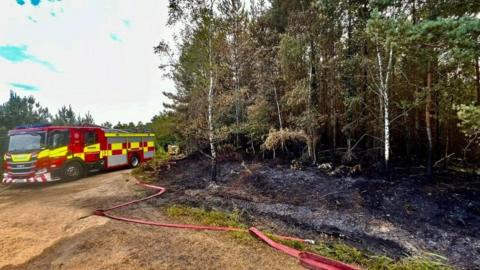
404, 216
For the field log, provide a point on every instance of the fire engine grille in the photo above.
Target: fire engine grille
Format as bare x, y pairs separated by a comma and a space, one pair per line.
21, 169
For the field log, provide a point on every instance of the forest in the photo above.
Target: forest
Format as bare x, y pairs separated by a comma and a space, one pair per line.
373, 83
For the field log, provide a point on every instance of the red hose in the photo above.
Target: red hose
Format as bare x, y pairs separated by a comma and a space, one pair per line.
308, 260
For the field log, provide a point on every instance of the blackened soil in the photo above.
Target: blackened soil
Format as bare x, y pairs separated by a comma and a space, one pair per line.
404, 216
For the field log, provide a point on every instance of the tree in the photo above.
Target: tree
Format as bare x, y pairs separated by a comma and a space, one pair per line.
22, 110
65, 116
107, 125
386, 33
87, 119
203, 21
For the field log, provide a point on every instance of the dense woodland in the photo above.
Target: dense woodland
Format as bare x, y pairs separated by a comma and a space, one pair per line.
344, 81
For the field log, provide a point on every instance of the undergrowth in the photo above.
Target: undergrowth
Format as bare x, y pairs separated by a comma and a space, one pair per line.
142, 171
161, 154
337, 251
352, 255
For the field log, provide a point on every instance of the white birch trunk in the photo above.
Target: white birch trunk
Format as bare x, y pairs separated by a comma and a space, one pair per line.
384, 81
309, 111
210, 118
210, 95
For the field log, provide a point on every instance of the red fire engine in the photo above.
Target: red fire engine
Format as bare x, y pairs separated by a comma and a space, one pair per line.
43, 153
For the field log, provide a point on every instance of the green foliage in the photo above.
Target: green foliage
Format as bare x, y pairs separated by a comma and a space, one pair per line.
107, 125
66, 116
469, 116
164, 127
292, 55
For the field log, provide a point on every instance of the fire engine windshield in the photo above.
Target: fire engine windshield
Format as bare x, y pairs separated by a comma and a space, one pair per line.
28, 141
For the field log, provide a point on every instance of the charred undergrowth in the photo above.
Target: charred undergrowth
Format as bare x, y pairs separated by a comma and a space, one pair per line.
404, 216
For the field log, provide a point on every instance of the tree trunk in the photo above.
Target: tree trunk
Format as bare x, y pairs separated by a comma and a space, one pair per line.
210, 128
386, 133
384, 79
416, 130
333, 111
436, 146
210, 97
408, 140
428, 105
477, 71
365, 93
311, 100
333, 89
447, 141
348, 130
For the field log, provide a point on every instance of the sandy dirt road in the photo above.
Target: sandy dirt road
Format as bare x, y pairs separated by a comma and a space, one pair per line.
51, 227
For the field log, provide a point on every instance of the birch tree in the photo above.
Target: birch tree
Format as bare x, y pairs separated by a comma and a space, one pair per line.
199, 16
384, 32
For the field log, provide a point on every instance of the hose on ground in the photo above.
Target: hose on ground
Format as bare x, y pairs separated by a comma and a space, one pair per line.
306, 259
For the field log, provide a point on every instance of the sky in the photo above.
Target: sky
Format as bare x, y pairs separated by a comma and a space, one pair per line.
94, 55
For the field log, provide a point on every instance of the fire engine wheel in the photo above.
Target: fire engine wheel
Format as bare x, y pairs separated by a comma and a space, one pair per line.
73, 171
134, 161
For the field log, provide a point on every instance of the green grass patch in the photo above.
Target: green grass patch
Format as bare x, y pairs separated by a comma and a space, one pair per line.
193, 215
205, 217
352, 255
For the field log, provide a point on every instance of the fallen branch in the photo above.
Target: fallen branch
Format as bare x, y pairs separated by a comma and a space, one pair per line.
205, 154
442, 159
246, 168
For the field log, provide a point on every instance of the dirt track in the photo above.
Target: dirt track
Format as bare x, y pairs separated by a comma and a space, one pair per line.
50, 227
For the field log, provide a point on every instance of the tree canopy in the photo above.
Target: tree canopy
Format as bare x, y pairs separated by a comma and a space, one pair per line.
341, 81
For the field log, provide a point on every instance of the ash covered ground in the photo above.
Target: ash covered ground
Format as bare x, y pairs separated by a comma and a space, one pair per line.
404, 216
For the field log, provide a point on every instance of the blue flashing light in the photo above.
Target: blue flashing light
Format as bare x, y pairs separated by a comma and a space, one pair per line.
38, 125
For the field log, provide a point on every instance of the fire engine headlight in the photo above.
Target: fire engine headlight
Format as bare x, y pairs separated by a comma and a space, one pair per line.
41, 171
7, 157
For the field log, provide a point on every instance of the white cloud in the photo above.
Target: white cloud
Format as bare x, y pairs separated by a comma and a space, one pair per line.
115, 81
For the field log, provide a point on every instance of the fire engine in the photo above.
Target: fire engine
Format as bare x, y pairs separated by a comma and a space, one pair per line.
43, 153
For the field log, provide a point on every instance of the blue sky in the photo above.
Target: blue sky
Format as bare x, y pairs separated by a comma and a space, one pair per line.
95, 55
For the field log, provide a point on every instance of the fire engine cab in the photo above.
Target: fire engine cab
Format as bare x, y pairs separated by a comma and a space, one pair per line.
43, 153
